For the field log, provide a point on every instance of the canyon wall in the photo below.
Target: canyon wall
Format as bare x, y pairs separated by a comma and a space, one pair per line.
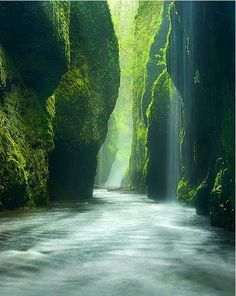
147, 22
183, 106
84, 100
59, 79
201, 63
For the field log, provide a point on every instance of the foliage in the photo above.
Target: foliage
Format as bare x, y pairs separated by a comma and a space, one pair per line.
222, 209
185, 192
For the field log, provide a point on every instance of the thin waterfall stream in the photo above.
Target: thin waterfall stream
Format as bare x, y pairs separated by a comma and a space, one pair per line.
120, 125
173, 153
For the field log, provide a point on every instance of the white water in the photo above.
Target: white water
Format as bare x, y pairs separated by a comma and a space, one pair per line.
173, 146
116, 174
115, 244
121, 162
123, 14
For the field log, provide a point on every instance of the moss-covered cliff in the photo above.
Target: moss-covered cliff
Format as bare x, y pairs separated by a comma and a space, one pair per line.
147, 22
113, 158
64, 48
184, 106
84, 100
158, 102
29, 72
201, 63
107, 153
153, 95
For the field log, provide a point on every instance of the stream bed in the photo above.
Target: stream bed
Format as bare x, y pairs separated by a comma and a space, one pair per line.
114, 244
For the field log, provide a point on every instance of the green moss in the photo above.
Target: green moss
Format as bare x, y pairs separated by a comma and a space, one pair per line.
48, 42
160, 100
84, 100
158, 115
40, 51
147, 24
107, 153
207, 132
78, 110
58, 16
222, 202
185, 192
25, 140
28, 70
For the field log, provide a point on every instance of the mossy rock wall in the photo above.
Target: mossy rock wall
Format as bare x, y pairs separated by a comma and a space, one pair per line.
84, 100
158, 137
29, 73
147, 23
201, 64
59, 78
152, 100
158, 101
162, 166
107, 153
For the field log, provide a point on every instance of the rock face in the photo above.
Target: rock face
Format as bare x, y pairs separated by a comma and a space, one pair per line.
156, 105
189, 62
84, 100
59, 79
201, 64
147, 22
29, 72
152, 95
107, 153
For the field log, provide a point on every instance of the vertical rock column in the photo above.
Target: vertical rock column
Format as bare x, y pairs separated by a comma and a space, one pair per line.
201, 64
84, 100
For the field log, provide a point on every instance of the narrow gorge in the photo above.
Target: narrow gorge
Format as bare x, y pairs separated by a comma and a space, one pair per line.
117, 148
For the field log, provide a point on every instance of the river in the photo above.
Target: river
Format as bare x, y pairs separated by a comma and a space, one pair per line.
114, 244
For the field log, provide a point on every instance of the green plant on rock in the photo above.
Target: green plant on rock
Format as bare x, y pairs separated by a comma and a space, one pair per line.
222, 204
185, 193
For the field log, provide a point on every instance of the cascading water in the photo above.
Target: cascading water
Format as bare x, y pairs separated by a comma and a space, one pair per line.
175, 124
119, 138
124, 142
173, 148
120, 164
183, 80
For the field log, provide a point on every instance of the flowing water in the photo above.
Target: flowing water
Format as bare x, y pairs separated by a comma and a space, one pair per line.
120, 130
173, 147
114, 244
116, 174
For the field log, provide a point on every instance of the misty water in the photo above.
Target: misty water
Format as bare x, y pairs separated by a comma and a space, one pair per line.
114, 244
116, 174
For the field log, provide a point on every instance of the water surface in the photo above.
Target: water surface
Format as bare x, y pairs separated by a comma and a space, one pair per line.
114, 244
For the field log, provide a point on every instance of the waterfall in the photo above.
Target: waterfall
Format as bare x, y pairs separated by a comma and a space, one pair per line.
123, 14
173, 147
120, 164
